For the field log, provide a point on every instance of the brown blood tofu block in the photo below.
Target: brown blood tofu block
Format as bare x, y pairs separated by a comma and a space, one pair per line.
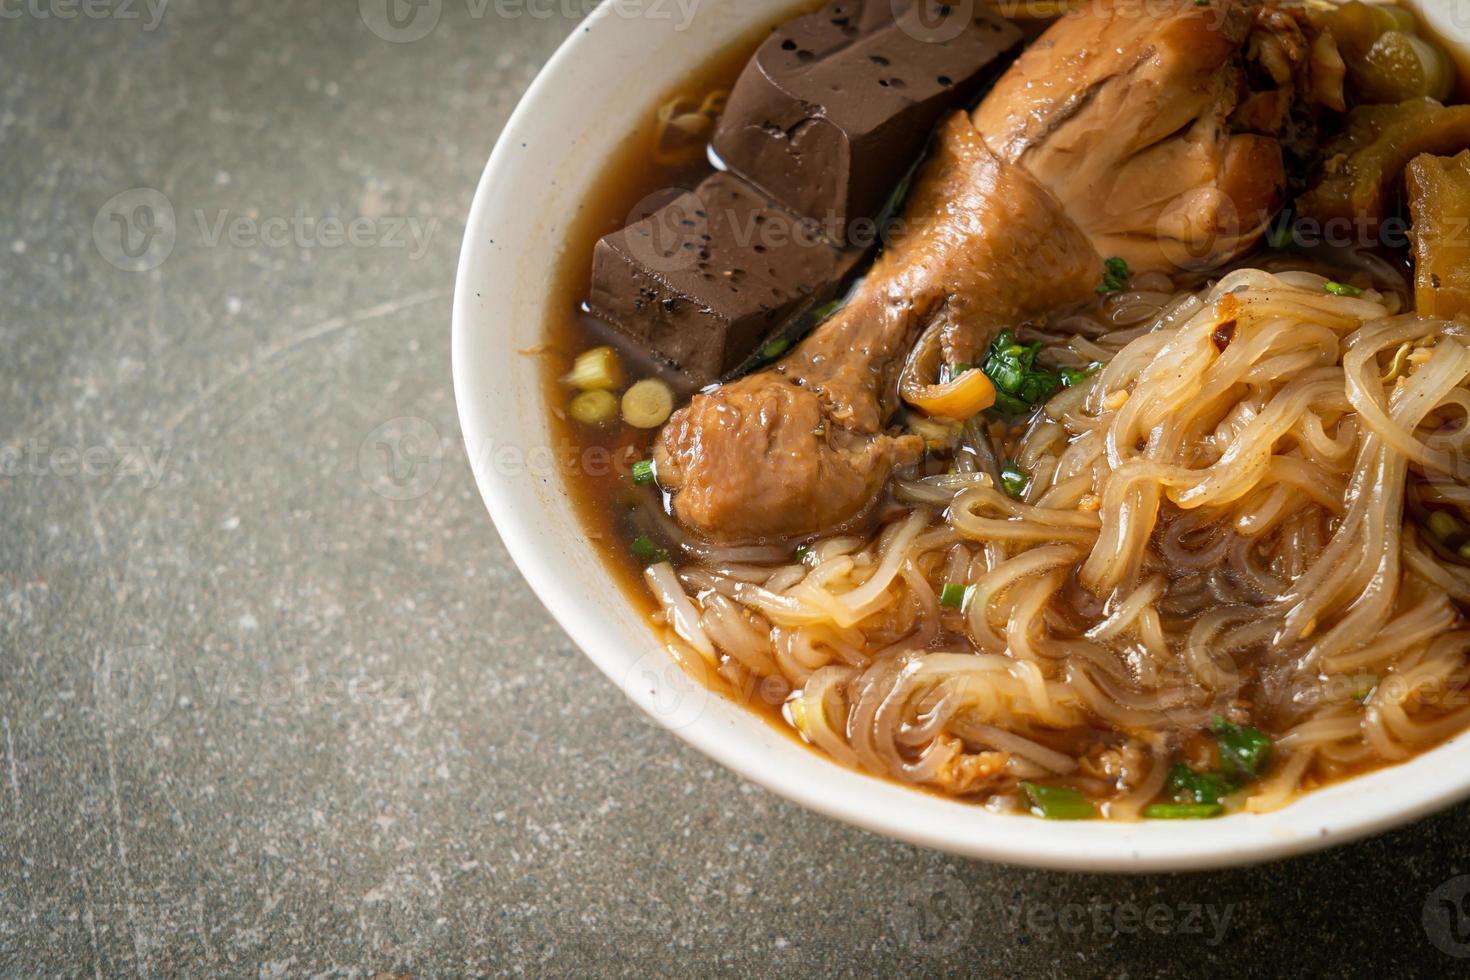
835, 106
705, 280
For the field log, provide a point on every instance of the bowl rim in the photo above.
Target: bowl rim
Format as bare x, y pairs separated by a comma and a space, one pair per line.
1345, 811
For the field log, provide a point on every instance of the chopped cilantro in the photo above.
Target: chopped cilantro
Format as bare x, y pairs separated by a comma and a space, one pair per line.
1116, 276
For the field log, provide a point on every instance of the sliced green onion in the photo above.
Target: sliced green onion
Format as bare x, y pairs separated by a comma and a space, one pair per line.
1020, 385
823, 312
1183, 811
646, 551
802, 550
1058, 802
648, 404
775, 348
643, 472
1187, 786
954, 596
596, 370
1072, 377
596, 407
1245, 752
1014, 480
1342, 289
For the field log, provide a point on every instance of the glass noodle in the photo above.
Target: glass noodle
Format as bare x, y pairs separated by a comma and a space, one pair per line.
1214, 527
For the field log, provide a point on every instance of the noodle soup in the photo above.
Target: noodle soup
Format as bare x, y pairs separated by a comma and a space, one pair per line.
1200, 553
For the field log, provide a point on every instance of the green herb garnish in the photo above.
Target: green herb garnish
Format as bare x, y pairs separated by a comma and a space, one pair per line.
954, 596
1183, 811
775, 348
1072, 377
1014, 480
1020, 385
1245, 752
1116, 276
643, 472
1187, 786
1342, 289
802, 550
1058, 802
646, 551
824, 311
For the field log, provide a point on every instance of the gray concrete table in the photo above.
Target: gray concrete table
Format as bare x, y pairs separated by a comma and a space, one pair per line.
273, 700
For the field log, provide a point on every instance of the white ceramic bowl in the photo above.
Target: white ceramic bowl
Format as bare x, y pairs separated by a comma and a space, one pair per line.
582, 104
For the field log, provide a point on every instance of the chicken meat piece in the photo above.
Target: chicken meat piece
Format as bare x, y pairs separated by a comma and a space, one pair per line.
802, 446
1150, 132
1126, 117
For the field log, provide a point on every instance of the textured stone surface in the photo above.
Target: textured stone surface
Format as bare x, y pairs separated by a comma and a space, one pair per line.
269, 707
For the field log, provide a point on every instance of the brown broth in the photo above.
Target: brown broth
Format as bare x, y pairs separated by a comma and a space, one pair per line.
599, 481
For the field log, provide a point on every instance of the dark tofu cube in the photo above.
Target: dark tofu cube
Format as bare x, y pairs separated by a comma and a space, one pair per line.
836, 106
707, 279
